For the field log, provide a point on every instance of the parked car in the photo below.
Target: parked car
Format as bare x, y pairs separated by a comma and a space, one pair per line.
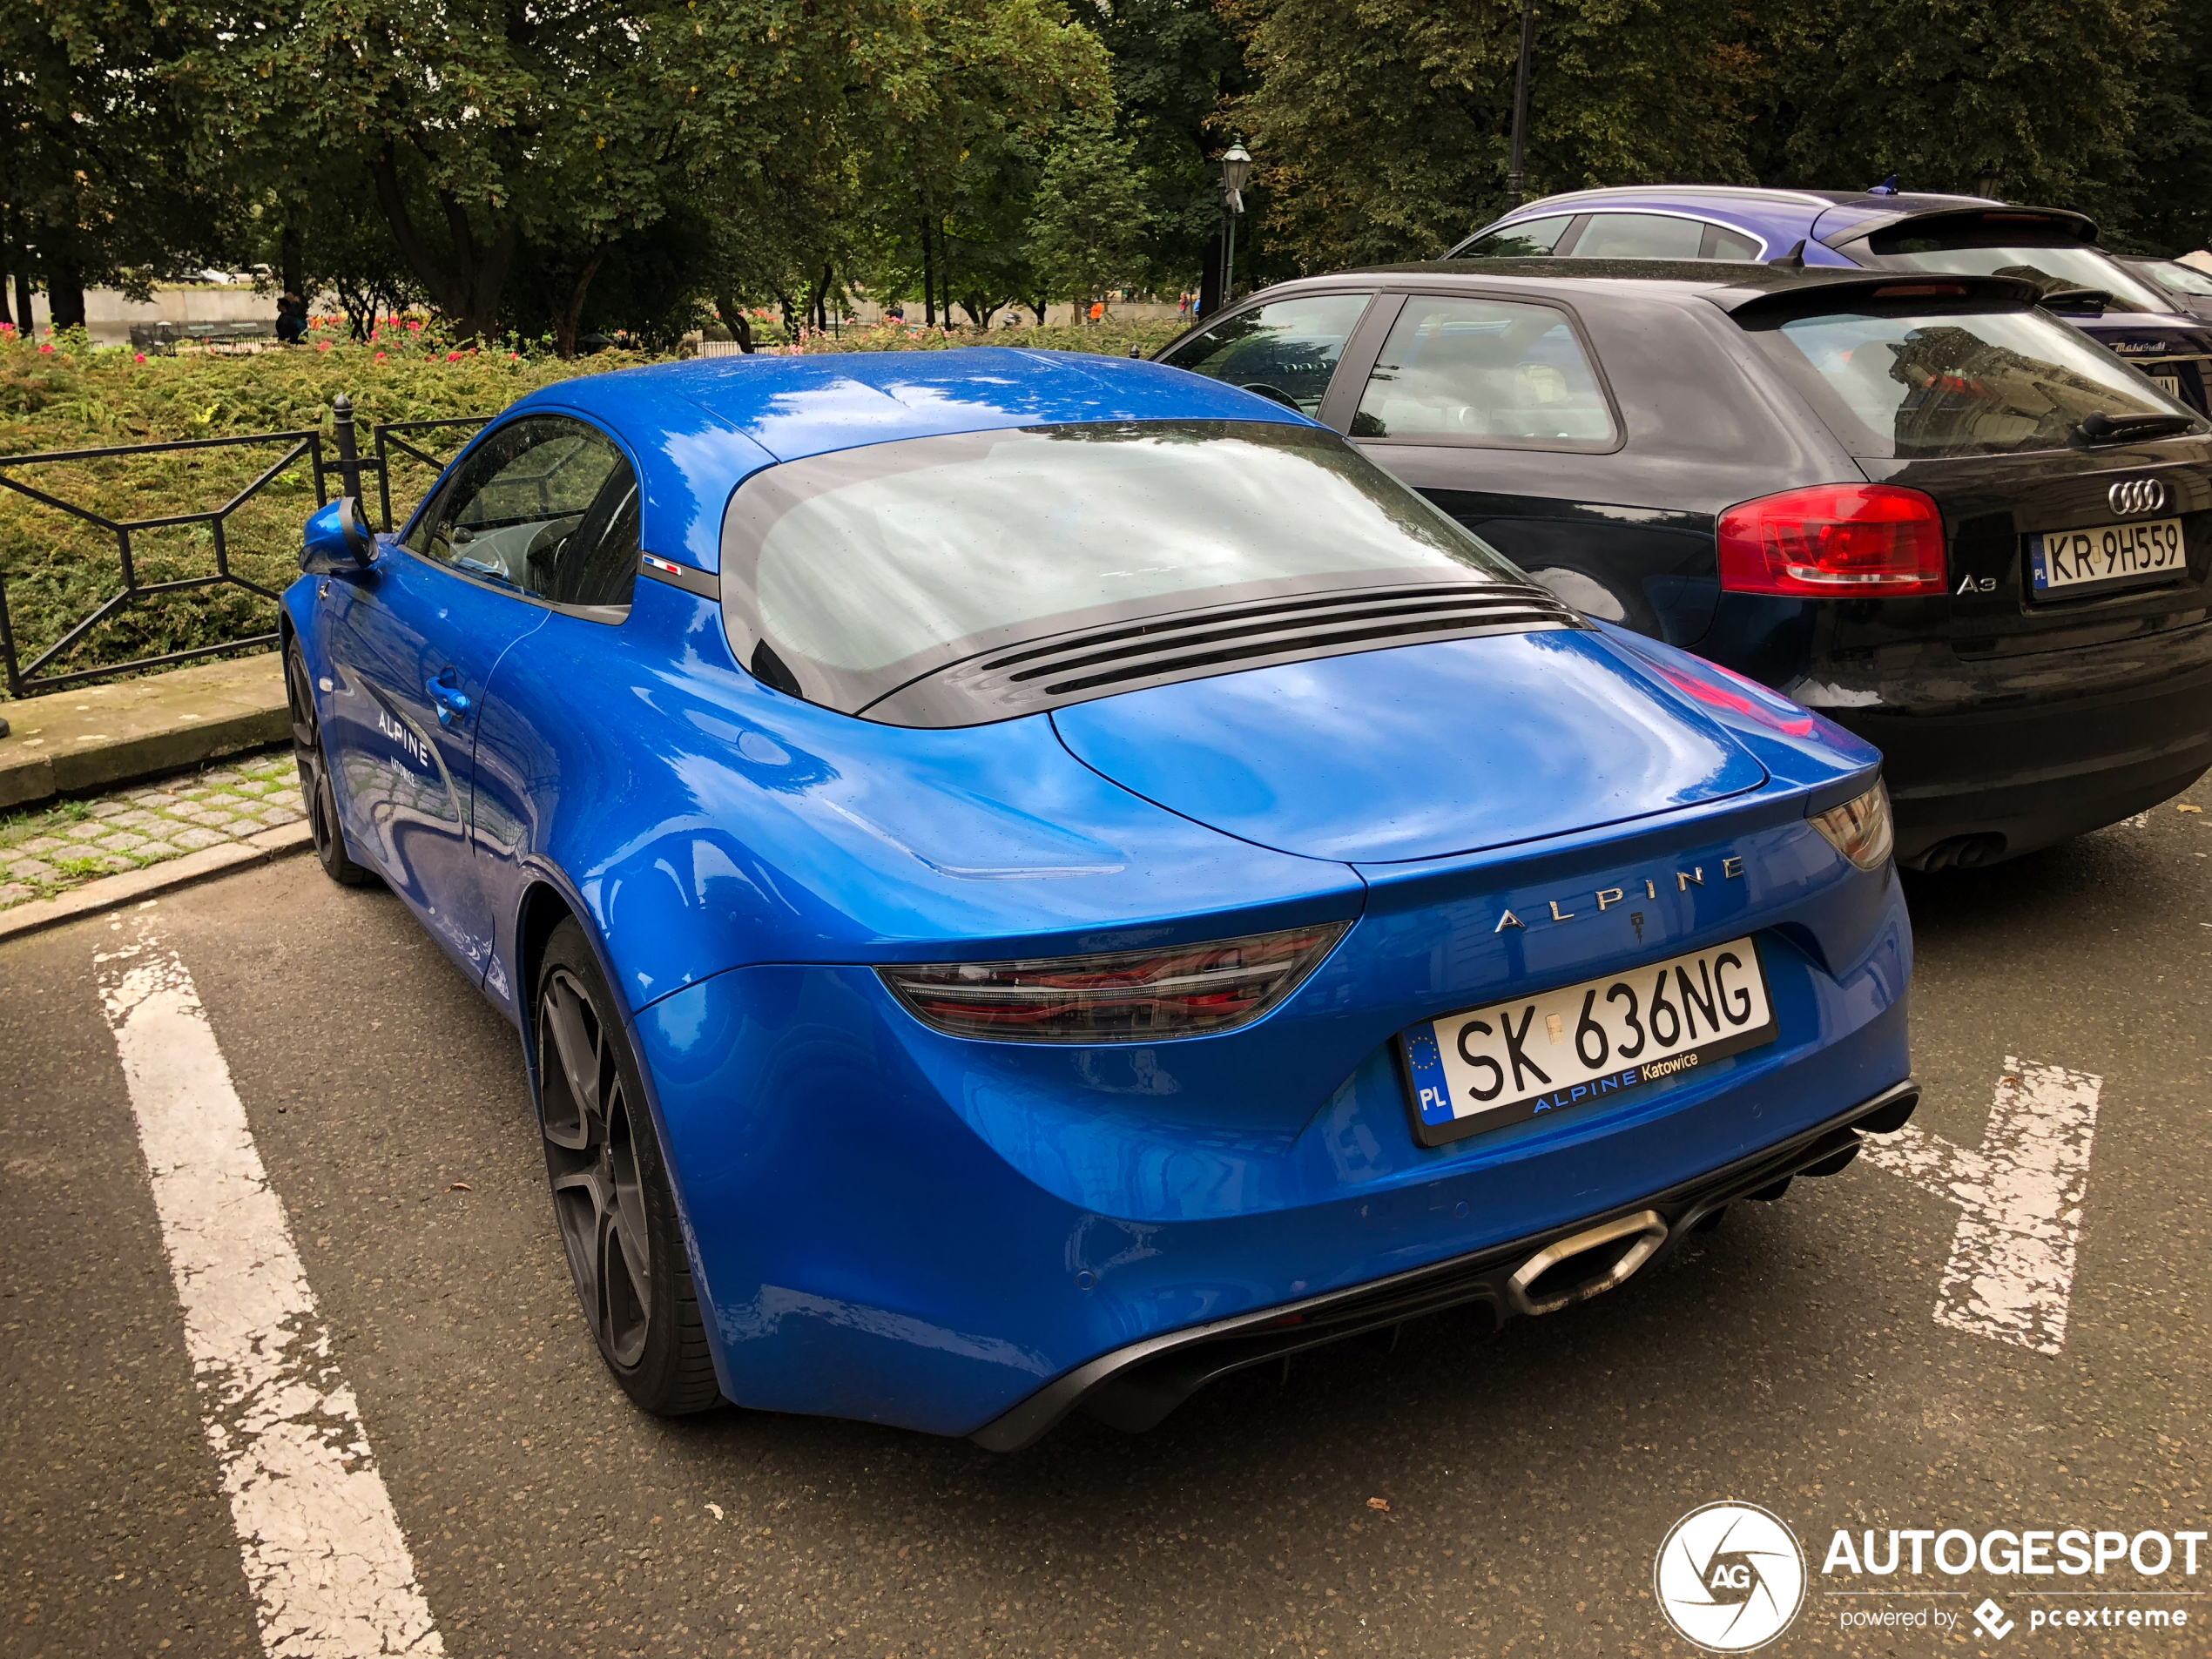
1005, 910
1882, 230
1874, 492
2185, 287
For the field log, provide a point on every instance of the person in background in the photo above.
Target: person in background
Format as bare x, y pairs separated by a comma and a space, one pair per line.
897, 312
292, 318
1098, 311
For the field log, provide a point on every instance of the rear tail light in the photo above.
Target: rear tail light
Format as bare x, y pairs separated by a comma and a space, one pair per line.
1120, 996
1834, 540
1860, 829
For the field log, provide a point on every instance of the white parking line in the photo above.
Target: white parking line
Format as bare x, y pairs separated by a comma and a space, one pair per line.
323, 1551
2011, 1273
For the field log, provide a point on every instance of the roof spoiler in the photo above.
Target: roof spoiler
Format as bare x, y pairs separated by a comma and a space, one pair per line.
1914, 290
1999, 226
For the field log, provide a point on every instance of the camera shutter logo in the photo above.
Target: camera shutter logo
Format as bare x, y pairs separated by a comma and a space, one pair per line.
2131, 496
1729, 1577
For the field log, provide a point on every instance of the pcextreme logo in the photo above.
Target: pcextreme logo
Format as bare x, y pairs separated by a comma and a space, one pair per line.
1729, 1577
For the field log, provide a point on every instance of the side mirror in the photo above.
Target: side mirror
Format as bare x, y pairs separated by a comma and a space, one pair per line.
338, 539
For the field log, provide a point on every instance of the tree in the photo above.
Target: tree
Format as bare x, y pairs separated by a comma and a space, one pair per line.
2032, 100
1089, 231
1175, 62
1382, 125
93, 142
953, 174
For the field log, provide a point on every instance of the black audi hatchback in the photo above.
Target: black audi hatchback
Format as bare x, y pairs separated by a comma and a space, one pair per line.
1919, 505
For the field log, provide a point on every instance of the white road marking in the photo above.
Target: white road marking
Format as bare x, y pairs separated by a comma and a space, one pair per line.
323, 1551
2010, 1273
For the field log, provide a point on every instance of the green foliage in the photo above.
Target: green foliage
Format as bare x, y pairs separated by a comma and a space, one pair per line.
1175, 62
2172, 208
1088, 234
2033, 100
1382, 125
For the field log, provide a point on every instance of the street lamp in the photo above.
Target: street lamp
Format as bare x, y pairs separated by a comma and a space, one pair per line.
1236, 169
1514, 172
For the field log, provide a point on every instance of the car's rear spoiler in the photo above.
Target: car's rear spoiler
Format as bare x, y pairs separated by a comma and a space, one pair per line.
2001, 226
1818, 292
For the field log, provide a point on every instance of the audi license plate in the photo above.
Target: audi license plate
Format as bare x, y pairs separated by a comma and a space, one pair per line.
2111, 556
1507, 1062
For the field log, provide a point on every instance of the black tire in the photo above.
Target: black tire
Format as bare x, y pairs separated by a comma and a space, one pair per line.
611, 1199
315, 792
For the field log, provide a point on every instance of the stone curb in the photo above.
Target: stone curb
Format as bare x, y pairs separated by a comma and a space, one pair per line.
69, 743
112, 892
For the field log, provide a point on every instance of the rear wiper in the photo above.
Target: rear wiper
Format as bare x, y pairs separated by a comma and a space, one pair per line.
2084, 299
2097, 426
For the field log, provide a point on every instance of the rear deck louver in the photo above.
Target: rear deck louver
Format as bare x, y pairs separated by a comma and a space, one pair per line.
1077, 667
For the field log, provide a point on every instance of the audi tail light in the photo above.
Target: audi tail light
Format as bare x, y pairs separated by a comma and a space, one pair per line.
1834, 540
1860, 829
1118, 997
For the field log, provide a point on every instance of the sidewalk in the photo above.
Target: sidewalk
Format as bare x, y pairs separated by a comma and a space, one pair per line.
45, 853
69, 743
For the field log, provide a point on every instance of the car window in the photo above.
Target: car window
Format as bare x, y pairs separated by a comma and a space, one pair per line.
546, 505
868, 566
1286, 350
1965, 384
1640, 236
2054, 270
1729, 245
1485, 371
1530, 239
2172, 274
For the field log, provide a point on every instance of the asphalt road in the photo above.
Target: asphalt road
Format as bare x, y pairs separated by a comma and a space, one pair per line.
1790, 1358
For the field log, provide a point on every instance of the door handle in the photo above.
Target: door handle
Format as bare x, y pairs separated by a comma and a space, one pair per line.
450, 699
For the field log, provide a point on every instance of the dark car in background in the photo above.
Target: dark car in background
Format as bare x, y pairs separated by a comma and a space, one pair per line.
1880, 229
1921, 506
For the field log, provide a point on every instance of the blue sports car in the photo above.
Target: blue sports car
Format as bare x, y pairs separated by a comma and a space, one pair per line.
1028, 882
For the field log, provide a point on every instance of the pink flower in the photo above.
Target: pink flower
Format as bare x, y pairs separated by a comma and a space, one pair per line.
322, 345
380, 357
514, 356
413, 327
46, 348
142, 356
453, 357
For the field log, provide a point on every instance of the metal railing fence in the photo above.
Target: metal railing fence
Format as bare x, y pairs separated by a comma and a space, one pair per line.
394, 442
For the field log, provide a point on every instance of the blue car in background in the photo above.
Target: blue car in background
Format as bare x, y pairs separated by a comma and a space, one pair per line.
1028, 882
1877, 229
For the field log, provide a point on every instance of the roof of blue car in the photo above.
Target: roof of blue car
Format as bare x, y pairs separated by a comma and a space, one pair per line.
1775, 216
793, 407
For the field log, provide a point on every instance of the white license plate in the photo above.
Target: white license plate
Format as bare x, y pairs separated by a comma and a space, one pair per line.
2110, 556
1503, 1063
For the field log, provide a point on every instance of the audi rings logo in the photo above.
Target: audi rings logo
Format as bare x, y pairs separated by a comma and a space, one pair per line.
1729, 1577
2133, 495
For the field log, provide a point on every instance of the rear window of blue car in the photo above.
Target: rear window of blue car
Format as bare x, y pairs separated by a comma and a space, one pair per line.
875, 564
1967, 383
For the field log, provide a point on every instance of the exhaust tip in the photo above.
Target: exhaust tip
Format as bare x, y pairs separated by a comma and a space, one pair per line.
1588, 1264
1962, 852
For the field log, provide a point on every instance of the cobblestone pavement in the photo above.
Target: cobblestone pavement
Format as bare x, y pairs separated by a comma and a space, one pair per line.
55, 848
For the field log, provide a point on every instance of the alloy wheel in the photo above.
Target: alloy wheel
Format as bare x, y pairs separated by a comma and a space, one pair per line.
591, 1155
